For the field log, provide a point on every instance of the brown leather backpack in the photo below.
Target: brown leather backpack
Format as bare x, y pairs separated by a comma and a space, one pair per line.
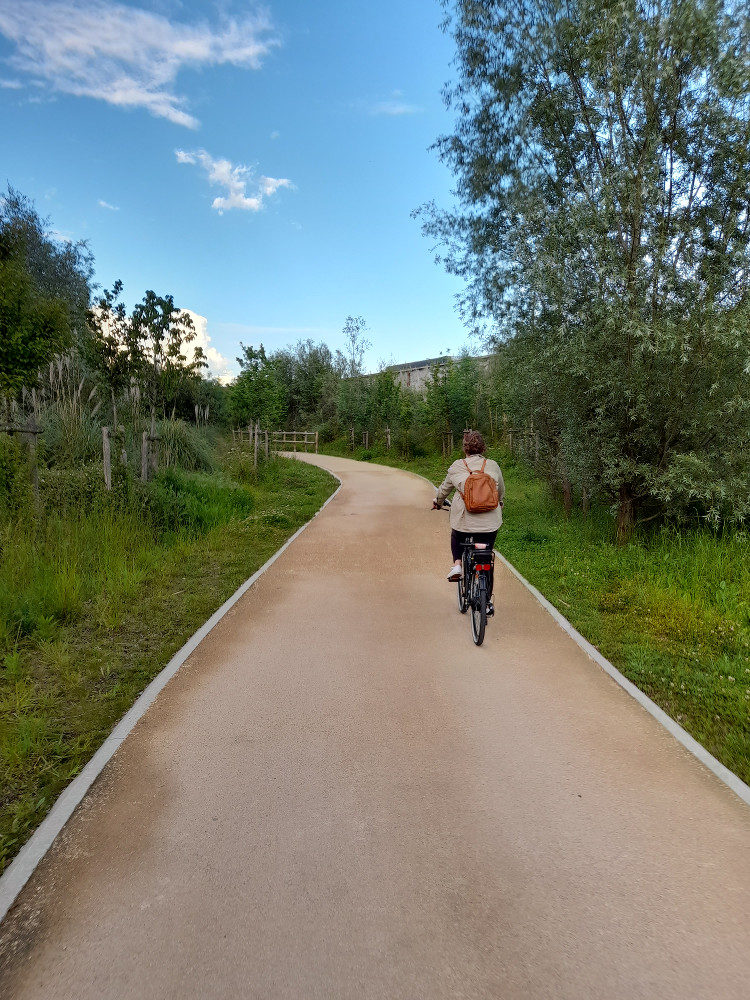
480, 491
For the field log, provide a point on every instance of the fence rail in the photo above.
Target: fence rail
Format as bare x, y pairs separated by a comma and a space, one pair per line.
282, 440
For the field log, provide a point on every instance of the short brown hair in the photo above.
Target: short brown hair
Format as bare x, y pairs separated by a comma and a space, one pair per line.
474, 443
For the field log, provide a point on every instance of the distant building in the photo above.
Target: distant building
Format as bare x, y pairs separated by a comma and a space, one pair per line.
416, 374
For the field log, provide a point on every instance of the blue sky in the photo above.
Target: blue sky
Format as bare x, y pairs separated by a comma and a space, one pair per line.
259, 163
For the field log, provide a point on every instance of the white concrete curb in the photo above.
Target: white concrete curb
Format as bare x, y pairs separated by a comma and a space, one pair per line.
20, 870
723, 773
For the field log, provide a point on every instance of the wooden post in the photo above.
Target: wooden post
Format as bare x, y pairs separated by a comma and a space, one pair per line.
255, 445
388, 438
351, 433
316, 442
510, 441
107, 457
266, 433
144, 457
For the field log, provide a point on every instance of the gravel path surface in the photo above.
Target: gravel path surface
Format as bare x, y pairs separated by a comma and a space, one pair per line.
339, 796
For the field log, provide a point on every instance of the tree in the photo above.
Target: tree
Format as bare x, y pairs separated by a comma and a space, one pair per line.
602, 151
116, 347
44, 292
258, 393
33, 327
356, 345
163, 330
59, 268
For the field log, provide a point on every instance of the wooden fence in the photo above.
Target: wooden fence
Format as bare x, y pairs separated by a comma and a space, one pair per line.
253, 435
292, 440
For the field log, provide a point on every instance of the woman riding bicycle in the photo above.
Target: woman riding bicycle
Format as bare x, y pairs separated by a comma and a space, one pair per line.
466, 526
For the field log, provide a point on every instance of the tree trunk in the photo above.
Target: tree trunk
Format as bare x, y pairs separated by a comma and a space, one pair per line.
625, 515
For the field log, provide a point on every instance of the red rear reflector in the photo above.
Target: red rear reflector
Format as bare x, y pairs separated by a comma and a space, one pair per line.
483, 566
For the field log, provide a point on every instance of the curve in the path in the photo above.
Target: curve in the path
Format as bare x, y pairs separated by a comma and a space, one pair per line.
340, 796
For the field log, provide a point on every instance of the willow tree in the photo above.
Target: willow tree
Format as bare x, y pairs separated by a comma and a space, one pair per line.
602, 156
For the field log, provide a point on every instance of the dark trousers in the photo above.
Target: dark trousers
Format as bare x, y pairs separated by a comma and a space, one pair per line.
459, 537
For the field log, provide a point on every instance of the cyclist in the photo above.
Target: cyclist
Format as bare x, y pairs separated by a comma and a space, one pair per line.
467, 527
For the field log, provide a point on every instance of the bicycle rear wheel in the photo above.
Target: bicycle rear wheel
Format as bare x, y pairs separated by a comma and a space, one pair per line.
479, 612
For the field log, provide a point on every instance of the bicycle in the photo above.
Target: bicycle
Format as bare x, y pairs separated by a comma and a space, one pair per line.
474, 586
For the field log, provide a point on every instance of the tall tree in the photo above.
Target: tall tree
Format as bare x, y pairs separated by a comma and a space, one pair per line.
602, 150
116, 347
44, 292
258, 393
165, 331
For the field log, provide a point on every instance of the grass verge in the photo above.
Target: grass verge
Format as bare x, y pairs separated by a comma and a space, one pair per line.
671, 610
96, 597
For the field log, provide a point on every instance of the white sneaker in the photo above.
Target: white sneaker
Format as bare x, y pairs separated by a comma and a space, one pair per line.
455, 574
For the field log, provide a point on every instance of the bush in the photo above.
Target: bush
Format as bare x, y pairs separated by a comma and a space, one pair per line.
72, 489
15, 477
178, 501
70, 436
185, 446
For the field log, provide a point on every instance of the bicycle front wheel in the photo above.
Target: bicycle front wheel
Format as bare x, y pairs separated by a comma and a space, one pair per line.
461, 591
479, 614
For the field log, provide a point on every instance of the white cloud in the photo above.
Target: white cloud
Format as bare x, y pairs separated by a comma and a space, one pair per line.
11, 85
275, 134
234, 178
124, 55
394, 106
219, 367
106, 204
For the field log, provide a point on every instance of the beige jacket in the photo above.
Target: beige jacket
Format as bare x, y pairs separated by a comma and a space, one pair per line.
455, 478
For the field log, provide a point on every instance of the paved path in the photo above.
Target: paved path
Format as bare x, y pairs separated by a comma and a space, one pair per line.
340, 797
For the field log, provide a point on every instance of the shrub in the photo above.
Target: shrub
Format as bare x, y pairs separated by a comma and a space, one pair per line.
185, 446
70, 436
15, 479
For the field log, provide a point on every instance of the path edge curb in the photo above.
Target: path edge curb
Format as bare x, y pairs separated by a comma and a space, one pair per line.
721, 771
23, 866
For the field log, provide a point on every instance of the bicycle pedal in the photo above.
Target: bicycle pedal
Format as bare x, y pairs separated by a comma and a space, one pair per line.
490, 610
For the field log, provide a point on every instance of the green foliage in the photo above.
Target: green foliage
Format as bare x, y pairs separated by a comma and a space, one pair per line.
70, 436
603, 162
186, 446
161, 332
452, 394
33, 327
258, 393
15, 481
